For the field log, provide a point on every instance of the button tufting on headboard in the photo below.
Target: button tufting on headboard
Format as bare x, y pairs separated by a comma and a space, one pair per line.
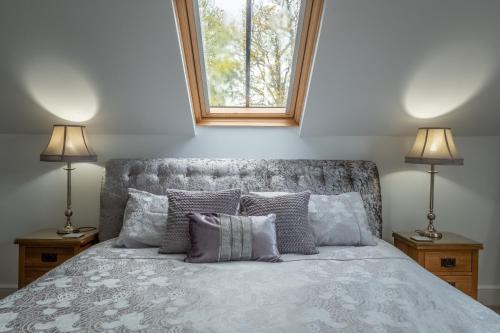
157, 175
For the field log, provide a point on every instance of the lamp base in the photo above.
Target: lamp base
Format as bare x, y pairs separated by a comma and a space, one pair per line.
430, 234
68, 229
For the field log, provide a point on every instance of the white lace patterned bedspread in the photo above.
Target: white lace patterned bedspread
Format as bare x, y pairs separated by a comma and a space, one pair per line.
342, 289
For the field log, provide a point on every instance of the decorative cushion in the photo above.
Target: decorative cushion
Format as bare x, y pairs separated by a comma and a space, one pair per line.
181, 203
293, 231
340, 220
221, 237
336, 219
144, 220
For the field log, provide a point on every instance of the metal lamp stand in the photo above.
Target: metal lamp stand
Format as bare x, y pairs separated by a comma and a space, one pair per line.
431, 230
68, 228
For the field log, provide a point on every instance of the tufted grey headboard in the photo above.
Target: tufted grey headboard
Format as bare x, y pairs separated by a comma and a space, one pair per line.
158, 175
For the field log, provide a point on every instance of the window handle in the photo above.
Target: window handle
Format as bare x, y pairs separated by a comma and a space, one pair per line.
448, 262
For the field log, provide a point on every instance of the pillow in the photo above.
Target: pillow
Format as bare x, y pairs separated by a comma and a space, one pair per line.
221, 237
337, 219
181, 203
144, 220
293, 231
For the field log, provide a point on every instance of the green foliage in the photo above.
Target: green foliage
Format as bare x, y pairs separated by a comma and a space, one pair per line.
224, 57
274, 30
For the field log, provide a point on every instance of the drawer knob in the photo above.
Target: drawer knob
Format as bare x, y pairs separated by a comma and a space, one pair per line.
448, 262
49, 257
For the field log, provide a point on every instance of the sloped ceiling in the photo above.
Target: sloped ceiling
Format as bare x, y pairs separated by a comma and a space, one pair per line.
381, 64
383, 67
120, 55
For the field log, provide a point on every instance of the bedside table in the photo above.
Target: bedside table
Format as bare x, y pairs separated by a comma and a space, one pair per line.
43, 250
453, 258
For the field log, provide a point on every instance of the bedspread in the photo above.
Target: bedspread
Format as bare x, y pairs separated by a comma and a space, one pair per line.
341, 289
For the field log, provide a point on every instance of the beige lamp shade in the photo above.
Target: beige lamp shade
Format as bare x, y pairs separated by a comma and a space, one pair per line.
68, 143
434, 146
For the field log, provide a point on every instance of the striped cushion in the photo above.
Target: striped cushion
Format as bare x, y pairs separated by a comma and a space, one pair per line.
235, 237
222, 237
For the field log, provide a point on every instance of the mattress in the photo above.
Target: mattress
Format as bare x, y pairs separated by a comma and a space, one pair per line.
341, 289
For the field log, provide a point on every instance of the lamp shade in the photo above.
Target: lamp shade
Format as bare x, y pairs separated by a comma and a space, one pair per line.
68, 143
434, 145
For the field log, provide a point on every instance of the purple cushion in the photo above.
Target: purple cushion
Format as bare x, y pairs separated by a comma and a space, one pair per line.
221, 237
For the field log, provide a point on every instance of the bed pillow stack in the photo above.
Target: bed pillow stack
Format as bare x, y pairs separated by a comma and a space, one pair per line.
336, 219
205, 224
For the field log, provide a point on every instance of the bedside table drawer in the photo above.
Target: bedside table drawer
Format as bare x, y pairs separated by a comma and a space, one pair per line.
448, 261
47, 256
463, 283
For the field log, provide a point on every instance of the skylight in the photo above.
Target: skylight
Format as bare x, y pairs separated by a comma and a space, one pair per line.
248, 59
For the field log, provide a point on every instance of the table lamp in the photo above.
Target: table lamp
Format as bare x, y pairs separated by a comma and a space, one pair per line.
68, 143
433, 145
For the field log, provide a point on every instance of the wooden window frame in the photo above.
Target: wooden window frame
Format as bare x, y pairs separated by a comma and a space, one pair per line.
188, 36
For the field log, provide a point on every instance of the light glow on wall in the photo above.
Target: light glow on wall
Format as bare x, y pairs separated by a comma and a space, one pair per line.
61, 89
448, 79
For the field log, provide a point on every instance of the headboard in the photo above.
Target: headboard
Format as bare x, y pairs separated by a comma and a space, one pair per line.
158, 175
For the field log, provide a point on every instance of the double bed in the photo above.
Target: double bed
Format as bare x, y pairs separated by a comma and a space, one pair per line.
341, 289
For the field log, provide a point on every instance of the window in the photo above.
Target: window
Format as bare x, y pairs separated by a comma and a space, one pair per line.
248, 62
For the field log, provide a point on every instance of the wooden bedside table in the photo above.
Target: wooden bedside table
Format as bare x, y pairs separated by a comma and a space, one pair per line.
43, 250
453, 258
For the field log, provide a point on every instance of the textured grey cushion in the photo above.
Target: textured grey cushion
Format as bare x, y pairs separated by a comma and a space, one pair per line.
336, 219
203, 174
181, 203
339, 220
144, 220
292, 226
221, 237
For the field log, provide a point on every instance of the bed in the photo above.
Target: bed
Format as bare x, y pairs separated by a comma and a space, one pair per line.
341, 289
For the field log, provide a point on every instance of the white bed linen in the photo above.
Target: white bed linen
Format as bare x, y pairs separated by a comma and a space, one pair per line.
341, 289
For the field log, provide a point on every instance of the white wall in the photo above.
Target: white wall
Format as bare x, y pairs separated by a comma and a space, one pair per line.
32, 193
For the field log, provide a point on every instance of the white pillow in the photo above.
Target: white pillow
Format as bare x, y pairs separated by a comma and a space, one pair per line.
336, 219
144, 220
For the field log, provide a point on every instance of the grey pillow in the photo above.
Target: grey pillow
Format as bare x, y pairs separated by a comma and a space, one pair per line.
144, 220
221, 237
293, 231
340, 220
336, 219
181, 203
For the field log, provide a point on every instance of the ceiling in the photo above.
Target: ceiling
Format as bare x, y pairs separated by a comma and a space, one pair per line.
125, 51
380, 63
383, 67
